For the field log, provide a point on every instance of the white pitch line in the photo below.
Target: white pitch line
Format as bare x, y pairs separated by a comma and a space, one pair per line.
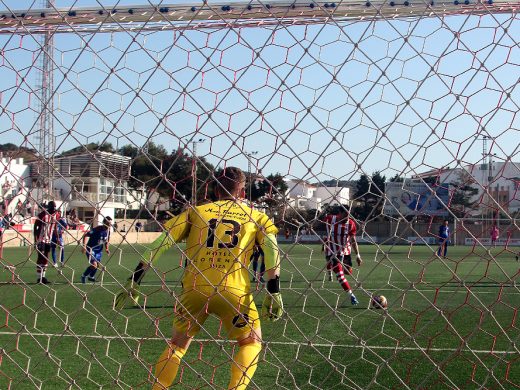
293, 343
461, 289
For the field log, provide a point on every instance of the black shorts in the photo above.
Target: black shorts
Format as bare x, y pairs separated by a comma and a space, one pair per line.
344, 259
43, 252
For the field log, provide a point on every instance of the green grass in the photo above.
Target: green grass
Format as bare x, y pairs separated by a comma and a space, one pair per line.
450, 323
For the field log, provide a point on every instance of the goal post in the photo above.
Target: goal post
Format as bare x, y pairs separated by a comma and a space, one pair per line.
233, 14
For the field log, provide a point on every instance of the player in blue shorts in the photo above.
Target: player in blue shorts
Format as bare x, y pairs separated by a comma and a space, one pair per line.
444, 239
98, 238
57, 241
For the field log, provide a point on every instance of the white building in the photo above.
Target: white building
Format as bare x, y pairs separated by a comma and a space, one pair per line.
14, 184
14, 176
94, 183
303, 195
502, 182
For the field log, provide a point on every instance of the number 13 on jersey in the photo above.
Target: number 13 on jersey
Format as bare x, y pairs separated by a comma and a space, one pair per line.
228, 238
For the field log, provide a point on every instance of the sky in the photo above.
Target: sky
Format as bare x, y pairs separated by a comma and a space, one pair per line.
318, 102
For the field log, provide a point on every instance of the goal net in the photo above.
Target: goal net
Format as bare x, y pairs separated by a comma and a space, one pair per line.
400, 115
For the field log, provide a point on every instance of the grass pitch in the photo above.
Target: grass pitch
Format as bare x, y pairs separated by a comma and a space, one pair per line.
450, 323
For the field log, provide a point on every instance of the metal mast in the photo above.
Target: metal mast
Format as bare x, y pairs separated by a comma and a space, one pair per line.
194, 170
485, 164
45, 140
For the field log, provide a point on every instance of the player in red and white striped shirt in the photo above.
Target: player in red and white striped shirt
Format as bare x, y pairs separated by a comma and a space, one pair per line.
45, 226
338, 245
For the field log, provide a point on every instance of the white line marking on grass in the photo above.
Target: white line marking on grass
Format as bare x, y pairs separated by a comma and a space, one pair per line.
461, 289
291, 343
444, 289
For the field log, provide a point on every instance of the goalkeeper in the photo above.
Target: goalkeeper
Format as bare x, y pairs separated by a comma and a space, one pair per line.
220, 237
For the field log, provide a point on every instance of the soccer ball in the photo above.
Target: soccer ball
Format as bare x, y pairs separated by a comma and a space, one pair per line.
379, 302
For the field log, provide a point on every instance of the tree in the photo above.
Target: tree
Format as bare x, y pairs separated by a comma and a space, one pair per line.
336, 183
14, 151
369, 195
272, 187
168, 174
128, 151
378, 184
91, 147
157, 151
461, 193
397, 179
270, 192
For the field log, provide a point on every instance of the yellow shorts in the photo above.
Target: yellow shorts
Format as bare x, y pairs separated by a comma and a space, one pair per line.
235, 308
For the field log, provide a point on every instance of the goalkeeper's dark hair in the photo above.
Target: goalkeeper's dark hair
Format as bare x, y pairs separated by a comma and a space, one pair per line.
228, 181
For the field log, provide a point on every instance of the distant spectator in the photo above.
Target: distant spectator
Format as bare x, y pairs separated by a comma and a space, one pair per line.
444, 239
494, 235
123, 228
138, 226
19, 207
2, 227
8, 221
72, 220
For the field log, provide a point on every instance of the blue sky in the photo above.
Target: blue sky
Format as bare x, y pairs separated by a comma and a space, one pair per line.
336, 100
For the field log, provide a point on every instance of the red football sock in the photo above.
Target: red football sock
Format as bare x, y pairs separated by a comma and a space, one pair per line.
338, 270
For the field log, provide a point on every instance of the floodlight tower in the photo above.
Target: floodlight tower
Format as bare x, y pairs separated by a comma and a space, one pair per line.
487, 161
194, 143
250, 173
45, 140
484, 147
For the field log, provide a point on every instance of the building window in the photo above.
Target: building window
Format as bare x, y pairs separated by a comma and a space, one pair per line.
119, 194
111, 191
86, 215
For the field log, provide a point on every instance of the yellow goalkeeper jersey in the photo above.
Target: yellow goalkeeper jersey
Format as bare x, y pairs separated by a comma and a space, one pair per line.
219, 242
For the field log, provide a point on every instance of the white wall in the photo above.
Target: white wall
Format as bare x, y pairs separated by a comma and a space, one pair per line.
135, 199
333, 195
61, 184
13, 172
105, 212
303, 195
299, 188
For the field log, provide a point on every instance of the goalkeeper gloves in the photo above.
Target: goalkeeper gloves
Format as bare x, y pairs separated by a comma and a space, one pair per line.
272, 307
131, 288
